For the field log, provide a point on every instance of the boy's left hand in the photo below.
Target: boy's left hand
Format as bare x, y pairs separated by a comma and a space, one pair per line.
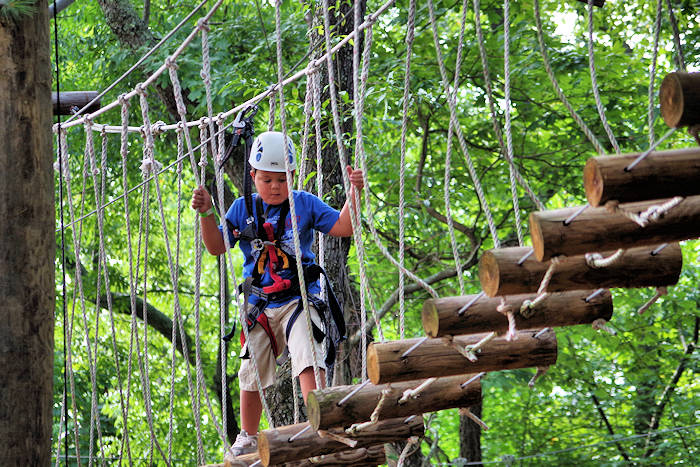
357, 178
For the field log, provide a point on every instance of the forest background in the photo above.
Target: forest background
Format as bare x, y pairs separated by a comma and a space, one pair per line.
622, 399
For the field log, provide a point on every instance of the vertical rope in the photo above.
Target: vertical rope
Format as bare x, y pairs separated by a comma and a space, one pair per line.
451, 100
492, 108
290, 187
594, 82
652, 71
448, 161
509, 133
680, 60
548, 67
205, 74
410, 36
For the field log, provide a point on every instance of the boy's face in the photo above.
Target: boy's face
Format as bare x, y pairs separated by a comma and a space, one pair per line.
271, 186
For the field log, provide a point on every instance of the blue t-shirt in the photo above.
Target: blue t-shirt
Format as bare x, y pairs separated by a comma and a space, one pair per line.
312, 214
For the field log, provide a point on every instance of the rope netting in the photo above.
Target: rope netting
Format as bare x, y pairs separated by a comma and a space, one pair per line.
157, 187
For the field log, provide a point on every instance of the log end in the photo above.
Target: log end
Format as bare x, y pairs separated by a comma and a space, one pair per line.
264, 448
489, 275
537, 238
430, 318
313, 409
593, 182
373, 364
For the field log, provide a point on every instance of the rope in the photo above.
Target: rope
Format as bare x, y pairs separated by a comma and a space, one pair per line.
509, 133
596, 260
594, 82
455, 122
676, 37
205, 74
448, 162
410, 36
290, 187
650, 215
242, 308
660, 291
548, 67
528, 307
652, 71
492, 108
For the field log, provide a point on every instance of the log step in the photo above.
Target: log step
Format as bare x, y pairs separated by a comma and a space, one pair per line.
502, 271
297, 442
441, 315
444, 393
662, 174
598, 229
387, 362
359, 457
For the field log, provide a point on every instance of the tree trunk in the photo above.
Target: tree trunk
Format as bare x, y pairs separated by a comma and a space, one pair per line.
27, 232
470, 436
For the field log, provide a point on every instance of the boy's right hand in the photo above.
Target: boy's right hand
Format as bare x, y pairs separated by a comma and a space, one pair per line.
201, 200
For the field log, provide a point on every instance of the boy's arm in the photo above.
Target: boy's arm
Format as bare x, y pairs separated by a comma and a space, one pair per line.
343, 226
211, 235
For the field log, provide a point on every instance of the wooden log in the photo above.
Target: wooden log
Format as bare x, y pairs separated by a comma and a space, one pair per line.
436, 357
72, 101
246, 460
662, 174
444, 393
597, 229
275, 447
679, 98
369, 456
500, 274
441, 318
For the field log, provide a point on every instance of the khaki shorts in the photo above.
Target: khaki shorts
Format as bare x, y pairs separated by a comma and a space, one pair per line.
298, 346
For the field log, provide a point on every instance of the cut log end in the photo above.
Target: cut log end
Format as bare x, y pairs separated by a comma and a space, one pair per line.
313, 410
678, 97
671, 100
593, 182
430, 318
537, 237
264, 449
373, 365
489, 274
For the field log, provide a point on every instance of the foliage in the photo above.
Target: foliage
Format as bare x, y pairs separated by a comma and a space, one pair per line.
587, 409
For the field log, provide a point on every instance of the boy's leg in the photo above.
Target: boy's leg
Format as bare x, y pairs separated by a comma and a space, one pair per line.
251, 410
307, 381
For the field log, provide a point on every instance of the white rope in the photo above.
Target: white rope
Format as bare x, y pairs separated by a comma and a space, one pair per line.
528, 306
596, 260
451, 100
448, 163
242, 308
415, 392
543, 50
594, 82
649, 215
652, 71
410, 35
290, 188
509, 133
205, 74
492, 108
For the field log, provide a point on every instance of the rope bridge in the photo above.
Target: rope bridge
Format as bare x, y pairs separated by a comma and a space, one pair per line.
525, 288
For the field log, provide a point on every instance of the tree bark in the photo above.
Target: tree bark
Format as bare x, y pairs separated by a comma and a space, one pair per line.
27, 247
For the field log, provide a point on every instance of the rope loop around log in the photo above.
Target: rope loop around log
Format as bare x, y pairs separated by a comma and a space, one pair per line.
598, 261
601, 325
540, 371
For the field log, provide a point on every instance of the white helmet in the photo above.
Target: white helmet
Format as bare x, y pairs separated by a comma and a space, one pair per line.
268, 152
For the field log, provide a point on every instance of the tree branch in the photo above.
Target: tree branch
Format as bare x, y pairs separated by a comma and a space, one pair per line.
670, 387
598, 407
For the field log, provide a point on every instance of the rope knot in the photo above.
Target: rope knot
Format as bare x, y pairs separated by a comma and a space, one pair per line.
220, 118
171, 64
158, 128
180, 127
601, 325
150, 165
123, 101
202, 25
141, 89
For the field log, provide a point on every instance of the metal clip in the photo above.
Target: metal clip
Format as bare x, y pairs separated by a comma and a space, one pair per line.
257, 244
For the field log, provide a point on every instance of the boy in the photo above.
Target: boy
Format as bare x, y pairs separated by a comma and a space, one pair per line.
270, 271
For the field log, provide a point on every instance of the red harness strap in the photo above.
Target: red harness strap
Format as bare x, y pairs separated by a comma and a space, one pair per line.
265, 324
278, 284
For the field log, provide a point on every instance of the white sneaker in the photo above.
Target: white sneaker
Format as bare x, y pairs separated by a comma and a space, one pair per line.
245, 444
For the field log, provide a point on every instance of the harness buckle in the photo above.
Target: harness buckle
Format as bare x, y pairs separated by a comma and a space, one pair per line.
257, 244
